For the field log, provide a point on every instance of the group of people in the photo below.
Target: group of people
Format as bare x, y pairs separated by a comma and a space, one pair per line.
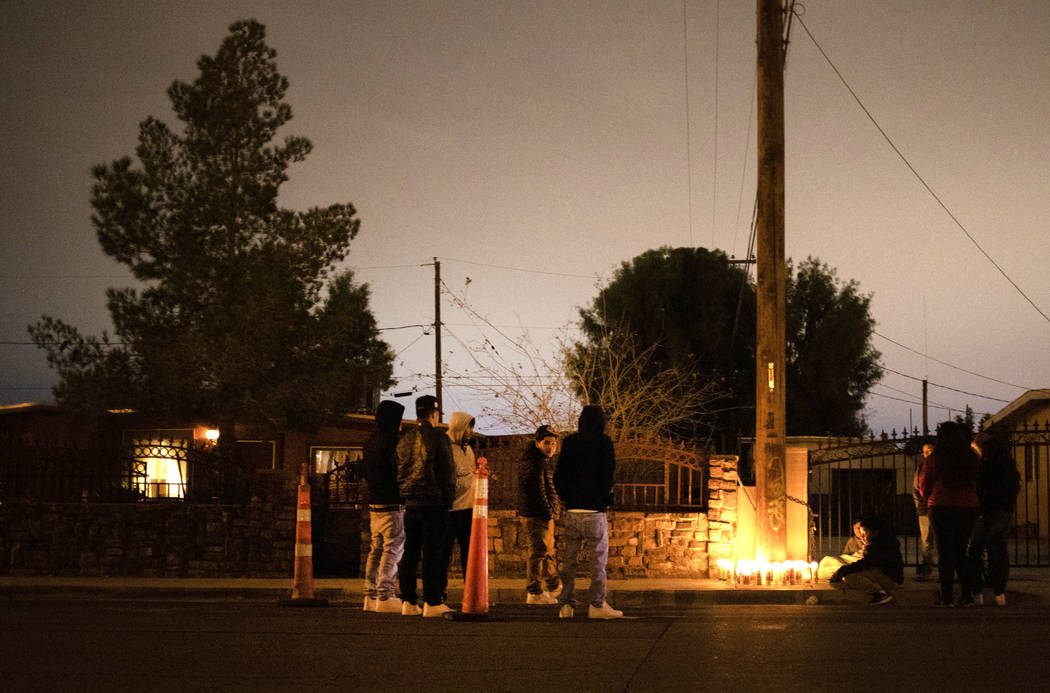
965, 492
421, 496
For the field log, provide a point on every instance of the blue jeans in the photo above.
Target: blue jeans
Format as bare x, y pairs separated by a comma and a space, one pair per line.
989, 534
589, 530
388, 542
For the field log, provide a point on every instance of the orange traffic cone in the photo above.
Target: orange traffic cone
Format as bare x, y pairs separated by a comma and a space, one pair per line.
476, 584
303, 575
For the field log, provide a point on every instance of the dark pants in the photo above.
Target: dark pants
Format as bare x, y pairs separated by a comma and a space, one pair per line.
541, 569
425, 530
459, 522
989, 534
953, 527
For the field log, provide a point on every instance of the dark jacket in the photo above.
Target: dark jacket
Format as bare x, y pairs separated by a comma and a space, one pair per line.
425, 471
998, 482
584, 474
882, 551
537, 496
380, 455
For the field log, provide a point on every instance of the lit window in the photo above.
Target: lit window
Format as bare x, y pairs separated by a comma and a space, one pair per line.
325, 459
158, 462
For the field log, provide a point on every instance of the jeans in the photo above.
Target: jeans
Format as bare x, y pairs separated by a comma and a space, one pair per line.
927, 544
587, 530
459, 523
989, 534
388, 543
425, 530
953, 527
541, 569
870, 582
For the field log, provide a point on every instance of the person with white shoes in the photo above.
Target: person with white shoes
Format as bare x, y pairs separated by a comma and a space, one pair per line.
538, 506
998, 484
426, 479
385, 511
583, 479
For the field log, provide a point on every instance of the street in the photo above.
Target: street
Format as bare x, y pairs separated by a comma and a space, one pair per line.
258, 646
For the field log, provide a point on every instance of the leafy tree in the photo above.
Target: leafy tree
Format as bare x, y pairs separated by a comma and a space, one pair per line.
699, 312
242, 316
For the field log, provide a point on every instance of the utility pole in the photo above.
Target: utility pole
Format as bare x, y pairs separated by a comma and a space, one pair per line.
925, 404
770, 402
437, 336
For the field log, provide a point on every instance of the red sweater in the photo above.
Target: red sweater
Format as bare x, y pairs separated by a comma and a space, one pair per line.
943, 492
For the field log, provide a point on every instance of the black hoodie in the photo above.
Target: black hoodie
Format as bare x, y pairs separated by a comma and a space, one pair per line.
380, 455
584, 476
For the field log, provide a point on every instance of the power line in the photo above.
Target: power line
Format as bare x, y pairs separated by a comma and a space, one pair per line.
945, 387
520, 269
916, 173
945, 363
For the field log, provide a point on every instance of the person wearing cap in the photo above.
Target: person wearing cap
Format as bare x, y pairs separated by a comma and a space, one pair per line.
386, 514
584, 480
426, 479
538, 507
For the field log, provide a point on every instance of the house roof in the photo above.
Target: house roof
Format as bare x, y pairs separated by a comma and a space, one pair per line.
1018, 407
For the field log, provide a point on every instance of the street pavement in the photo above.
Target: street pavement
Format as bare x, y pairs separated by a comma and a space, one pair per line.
119, 644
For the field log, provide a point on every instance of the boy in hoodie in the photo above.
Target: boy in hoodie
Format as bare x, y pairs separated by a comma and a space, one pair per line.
427, 482
385, 511
880, 571
584, 481
460, 433
538, 506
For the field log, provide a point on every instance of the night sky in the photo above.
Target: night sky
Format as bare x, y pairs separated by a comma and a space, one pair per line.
534, 146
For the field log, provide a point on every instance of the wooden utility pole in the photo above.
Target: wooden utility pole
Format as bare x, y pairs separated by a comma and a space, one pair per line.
437, 336
770, 403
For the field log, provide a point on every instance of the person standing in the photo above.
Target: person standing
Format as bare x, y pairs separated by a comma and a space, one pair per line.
949, 485
386, 514
998, 484
460, 433
583, 479
925, 569
426, 478
538, 507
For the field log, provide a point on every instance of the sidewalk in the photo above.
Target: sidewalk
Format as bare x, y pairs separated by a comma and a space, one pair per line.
1027, 586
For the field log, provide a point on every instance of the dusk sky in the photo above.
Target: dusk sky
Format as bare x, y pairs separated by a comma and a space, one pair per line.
533, 146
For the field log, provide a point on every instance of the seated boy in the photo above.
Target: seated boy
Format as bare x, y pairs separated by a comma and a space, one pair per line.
880, 570
851, 552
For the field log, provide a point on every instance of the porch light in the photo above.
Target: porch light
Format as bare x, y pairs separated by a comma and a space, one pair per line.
211, 434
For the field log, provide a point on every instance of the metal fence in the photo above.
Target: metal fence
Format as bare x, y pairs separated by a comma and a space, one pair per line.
40, 473
848, 478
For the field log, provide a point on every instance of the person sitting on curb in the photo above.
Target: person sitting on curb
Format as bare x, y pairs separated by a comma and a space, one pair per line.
880, 571
851, 553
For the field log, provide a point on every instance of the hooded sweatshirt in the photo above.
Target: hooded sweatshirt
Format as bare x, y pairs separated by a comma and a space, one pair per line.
584, 475
463, 459
380, 456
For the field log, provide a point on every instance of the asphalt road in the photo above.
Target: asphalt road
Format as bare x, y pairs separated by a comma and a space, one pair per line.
83, 646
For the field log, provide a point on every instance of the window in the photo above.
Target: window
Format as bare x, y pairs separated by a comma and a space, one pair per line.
325, 459
257, 454
158, 462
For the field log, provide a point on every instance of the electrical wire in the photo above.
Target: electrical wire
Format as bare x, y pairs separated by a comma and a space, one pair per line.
519, 269
917, 175
945, 387
945, 363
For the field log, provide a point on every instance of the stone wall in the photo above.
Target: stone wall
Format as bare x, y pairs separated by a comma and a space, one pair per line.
147, 539
721, 509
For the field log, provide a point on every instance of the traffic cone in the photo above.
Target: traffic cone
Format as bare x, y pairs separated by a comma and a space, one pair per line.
476, 583
303, 575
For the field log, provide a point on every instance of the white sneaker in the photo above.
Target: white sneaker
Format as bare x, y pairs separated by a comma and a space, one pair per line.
393, 605
604, 611
566, 611
1000, 599
370, 604
410, 609
435, 611
541, 598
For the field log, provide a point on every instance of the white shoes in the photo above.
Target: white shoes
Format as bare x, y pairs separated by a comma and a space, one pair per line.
393, 605
370, 604
1000, 599
541, 598
566, 611
410, 609
603, 612
435, 611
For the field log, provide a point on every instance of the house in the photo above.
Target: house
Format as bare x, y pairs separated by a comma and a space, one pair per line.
1026, 421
